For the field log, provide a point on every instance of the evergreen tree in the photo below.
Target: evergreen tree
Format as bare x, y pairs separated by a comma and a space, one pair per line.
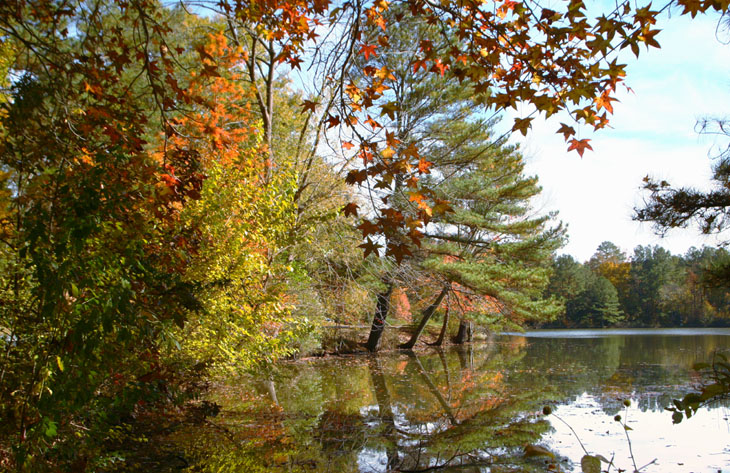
596, 306
567, 279
653, 269
491, 252
492, 245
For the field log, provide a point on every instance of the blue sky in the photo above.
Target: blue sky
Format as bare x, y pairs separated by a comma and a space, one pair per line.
653, 133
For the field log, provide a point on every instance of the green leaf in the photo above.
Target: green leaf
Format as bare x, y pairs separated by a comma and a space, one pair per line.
711, 391
59, 362
50, 428
590, 464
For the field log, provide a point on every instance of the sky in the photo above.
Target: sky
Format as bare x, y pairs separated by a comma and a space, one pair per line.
652, 133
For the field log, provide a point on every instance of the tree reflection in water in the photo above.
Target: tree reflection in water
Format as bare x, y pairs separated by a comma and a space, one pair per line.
471, 408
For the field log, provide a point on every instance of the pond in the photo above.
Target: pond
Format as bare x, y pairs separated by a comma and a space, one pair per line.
475, 408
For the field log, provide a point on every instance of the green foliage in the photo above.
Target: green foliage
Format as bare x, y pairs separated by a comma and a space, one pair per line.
483, 240
653, 288
125, 265
84, 304
596, 305
239, 275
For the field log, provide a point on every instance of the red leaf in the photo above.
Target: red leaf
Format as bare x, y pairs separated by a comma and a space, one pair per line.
370, 247
350, 209
309, 105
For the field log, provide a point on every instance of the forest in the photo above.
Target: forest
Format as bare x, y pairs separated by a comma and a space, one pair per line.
196, 189
652, 288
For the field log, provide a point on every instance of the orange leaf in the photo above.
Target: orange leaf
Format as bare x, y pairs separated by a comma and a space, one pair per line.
420, 63
604, 101
580, 146
368, 50
440, 67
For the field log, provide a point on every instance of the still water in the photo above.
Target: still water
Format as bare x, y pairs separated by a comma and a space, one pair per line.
475, 408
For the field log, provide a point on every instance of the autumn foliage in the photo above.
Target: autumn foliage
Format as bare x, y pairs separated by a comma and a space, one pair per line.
149, 220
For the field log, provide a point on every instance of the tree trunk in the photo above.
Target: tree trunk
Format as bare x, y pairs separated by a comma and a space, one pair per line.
434, 390
385, 412
440, 341
271, 388
465, 332
427, 314
381, 312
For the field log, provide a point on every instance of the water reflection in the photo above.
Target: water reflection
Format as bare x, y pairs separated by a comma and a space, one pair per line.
471, 408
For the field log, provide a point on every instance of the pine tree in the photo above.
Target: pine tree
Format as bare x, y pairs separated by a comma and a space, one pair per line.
492, 253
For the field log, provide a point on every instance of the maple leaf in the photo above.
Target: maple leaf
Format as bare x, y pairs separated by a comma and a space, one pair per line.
366, 156
295, 62
309, 105
332, 121
356, 177
370, 247
368, 228
566, 130
388, 153
390, 139
692, 7
350, 209
411, 150
347, 145
368, 50
416, 196
373, 124
384, 73
420, 63
522, 124
439, 67
399, 252
423, 166
579, 145
203, 53
389, 109
648, 38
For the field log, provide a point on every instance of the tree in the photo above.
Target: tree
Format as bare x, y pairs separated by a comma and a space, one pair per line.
611, 263
567, 279
99, 269
668, 207
597, 305
490, 224
652, 270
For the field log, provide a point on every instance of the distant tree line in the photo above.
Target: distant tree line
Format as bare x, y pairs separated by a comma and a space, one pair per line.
652, 288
